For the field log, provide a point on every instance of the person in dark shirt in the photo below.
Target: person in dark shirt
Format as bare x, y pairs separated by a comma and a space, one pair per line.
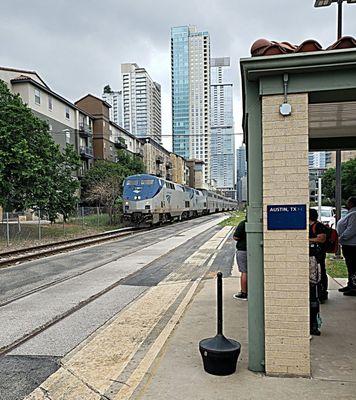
241, 258
317, 238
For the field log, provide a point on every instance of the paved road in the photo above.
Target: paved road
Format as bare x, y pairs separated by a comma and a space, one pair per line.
50, 306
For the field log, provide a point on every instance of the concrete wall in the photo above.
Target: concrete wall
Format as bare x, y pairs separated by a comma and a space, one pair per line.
286, 262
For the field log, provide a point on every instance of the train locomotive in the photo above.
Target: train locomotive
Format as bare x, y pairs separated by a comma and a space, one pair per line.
150, 200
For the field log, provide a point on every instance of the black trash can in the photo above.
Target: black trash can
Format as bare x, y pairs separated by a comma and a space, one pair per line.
219, 353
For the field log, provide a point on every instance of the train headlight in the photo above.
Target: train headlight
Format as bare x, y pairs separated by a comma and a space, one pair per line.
139, 197
126, 203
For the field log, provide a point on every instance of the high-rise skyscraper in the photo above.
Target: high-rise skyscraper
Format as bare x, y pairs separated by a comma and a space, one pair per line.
114, 98
241, 185
190, 59
222, 150
141, 102
319, 159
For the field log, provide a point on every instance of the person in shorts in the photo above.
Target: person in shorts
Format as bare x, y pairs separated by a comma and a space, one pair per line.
241, 258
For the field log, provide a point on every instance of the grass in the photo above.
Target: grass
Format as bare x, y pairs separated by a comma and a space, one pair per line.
336, 268
235, 218
75, 227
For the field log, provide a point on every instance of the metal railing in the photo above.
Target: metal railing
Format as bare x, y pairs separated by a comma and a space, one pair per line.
85, 130
86, 151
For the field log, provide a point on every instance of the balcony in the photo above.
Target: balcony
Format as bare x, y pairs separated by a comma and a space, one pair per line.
120, 143
85, 130
86, 152
159, 160
139, 153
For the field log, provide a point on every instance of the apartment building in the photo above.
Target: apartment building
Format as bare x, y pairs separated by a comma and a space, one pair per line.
108, 137
346, 155
180, 170
157, 159
190, 67
103, 140
68, 124
197, 174
141, 98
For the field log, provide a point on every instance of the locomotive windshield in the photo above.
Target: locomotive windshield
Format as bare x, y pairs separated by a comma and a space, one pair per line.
136, 182
138, 188
132, 182
147, 182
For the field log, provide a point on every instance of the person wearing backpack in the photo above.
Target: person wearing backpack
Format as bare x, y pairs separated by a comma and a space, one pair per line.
346, 228
318, 238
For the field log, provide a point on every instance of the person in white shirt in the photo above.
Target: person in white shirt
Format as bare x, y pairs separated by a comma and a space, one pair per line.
346, 229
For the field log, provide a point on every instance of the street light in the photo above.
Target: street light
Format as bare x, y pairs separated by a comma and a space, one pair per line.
326, 3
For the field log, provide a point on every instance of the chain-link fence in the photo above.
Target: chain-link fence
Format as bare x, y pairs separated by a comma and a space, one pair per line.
30, 228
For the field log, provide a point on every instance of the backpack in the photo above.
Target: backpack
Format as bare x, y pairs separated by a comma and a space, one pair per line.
314, 271
332, 239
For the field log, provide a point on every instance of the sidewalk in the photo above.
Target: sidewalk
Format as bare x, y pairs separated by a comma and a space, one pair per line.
178, 374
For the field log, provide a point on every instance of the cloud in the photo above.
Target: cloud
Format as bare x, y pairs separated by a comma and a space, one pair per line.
78, 46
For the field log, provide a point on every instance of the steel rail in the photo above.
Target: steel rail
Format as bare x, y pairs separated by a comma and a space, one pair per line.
30, 253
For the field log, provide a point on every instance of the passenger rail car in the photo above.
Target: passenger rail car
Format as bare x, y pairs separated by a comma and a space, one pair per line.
149, 200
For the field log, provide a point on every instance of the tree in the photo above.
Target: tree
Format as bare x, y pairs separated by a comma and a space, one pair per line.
132, 163
348, 181
33, 171
107, 89
62, 197
102, 184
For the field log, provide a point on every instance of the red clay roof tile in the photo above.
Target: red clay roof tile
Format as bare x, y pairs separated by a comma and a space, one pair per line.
264, 47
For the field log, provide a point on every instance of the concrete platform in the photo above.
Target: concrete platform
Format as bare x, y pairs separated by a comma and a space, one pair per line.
178, 373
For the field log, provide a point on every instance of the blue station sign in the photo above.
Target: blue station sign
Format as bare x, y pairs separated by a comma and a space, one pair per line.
287, 217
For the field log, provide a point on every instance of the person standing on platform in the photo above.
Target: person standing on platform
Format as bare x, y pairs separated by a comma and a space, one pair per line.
346, 229
241, 258
317, 255
317, 236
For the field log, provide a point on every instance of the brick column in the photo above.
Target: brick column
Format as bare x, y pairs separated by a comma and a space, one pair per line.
286, 263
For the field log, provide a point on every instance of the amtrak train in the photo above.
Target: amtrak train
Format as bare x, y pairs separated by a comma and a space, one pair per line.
149, 200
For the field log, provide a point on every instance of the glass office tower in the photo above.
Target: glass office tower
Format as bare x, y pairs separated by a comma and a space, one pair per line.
180, 90
190, 59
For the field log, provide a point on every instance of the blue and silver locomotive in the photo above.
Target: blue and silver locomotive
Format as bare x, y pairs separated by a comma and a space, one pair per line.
149, 200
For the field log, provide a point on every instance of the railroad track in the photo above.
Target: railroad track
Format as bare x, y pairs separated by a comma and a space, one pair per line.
6, 349
30, 253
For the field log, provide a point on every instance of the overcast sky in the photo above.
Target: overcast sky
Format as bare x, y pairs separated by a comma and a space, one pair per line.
77, 46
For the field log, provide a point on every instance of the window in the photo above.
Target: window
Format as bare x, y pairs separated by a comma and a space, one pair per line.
68, 137
132, 182
67, 112
50, 103
37, 96
147, 182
